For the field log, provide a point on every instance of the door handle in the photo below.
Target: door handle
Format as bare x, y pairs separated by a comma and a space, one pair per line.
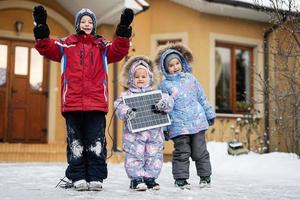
45, 130
13, 91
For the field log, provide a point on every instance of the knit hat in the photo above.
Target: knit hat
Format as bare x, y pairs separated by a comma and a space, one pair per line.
80, 14
169, 58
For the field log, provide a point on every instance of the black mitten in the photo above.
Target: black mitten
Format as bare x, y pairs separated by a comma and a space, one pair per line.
124, 29
39, 15
126, 17
41, 31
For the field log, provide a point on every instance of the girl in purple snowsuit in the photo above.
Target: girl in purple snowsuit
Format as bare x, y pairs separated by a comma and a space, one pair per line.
143, 150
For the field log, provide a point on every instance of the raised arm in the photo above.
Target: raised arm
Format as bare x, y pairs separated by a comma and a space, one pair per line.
43, 44
120, 45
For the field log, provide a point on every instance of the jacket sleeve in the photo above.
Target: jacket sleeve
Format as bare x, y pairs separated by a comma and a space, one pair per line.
118, 49
208, 109
49, 48
121, 108
169, 101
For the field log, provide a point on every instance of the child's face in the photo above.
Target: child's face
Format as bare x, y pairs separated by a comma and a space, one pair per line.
86, 24
174, 66
141, 78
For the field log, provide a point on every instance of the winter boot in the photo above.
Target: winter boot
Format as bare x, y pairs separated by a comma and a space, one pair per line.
80, 185
204, 182
151, 184
182, 184
95, 186
138, 185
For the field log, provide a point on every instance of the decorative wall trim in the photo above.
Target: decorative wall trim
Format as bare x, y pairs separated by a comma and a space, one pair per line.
167, 36
14, 35
53, 92
29, 5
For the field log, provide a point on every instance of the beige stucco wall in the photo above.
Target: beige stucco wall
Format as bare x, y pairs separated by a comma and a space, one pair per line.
163, 17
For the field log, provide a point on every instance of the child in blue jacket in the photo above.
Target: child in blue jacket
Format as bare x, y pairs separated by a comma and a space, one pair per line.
191, 115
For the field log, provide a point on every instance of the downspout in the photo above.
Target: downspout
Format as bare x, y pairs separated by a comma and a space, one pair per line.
266, 36
266, 138
144, 7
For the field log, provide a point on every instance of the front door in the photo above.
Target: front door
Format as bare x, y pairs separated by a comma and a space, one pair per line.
23, 93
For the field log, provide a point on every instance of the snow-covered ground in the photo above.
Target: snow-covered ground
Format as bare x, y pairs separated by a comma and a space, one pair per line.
274, 176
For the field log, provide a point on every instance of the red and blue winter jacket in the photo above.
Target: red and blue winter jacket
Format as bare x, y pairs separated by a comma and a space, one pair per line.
84, 73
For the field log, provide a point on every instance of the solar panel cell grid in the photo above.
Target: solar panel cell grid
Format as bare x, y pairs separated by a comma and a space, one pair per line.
146, 116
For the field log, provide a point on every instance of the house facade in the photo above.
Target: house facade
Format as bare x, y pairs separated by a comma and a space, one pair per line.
226, 41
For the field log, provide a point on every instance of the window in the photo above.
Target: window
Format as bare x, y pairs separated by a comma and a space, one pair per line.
36, 70
233, 78
3, 64
21, 61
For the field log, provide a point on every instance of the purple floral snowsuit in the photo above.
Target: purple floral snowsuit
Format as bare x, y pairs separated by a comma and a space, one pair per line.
144, 150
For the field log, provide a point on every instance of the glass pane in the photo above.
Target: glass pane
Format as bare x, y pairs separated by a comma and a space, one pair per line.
21, 61
242, 79
222, 77
36, 70
3, 64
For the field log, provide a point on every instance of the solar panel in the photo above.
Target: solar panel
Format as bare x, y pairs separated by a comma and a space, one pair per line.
146, 115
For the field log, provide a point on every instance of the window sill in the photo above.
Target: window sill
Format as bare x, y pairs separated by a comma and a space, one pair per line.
226, 115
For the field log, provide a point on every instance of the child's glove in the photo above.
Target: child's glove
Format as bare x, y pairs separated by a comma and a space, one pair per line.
161, 105
40, 15
41, 29
130, 114
211, 121
124, 29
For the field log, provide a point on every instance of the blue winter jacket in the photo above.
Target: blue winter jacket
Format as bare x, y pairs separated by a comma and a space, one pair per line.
191, 110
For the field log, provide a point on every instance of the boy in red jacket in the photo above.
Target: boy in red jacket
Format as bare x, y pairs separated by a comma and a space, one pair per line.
84, 57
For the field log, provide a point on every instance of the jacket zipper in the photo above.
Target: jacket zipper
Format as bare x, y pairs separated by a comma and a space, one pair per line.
81, 57
92, 57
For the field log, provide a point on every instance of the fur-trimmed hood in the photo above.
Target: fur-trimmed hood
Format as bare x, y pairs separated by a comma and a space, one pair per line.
126, 75
181, 50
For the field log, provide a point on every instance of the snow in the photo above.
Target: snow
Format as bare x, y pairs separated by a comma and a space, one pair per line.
253, 176
282, 4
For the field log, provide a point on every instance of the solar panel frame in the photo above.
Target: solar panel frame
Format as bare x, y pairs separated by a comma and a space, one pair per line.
146, 116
